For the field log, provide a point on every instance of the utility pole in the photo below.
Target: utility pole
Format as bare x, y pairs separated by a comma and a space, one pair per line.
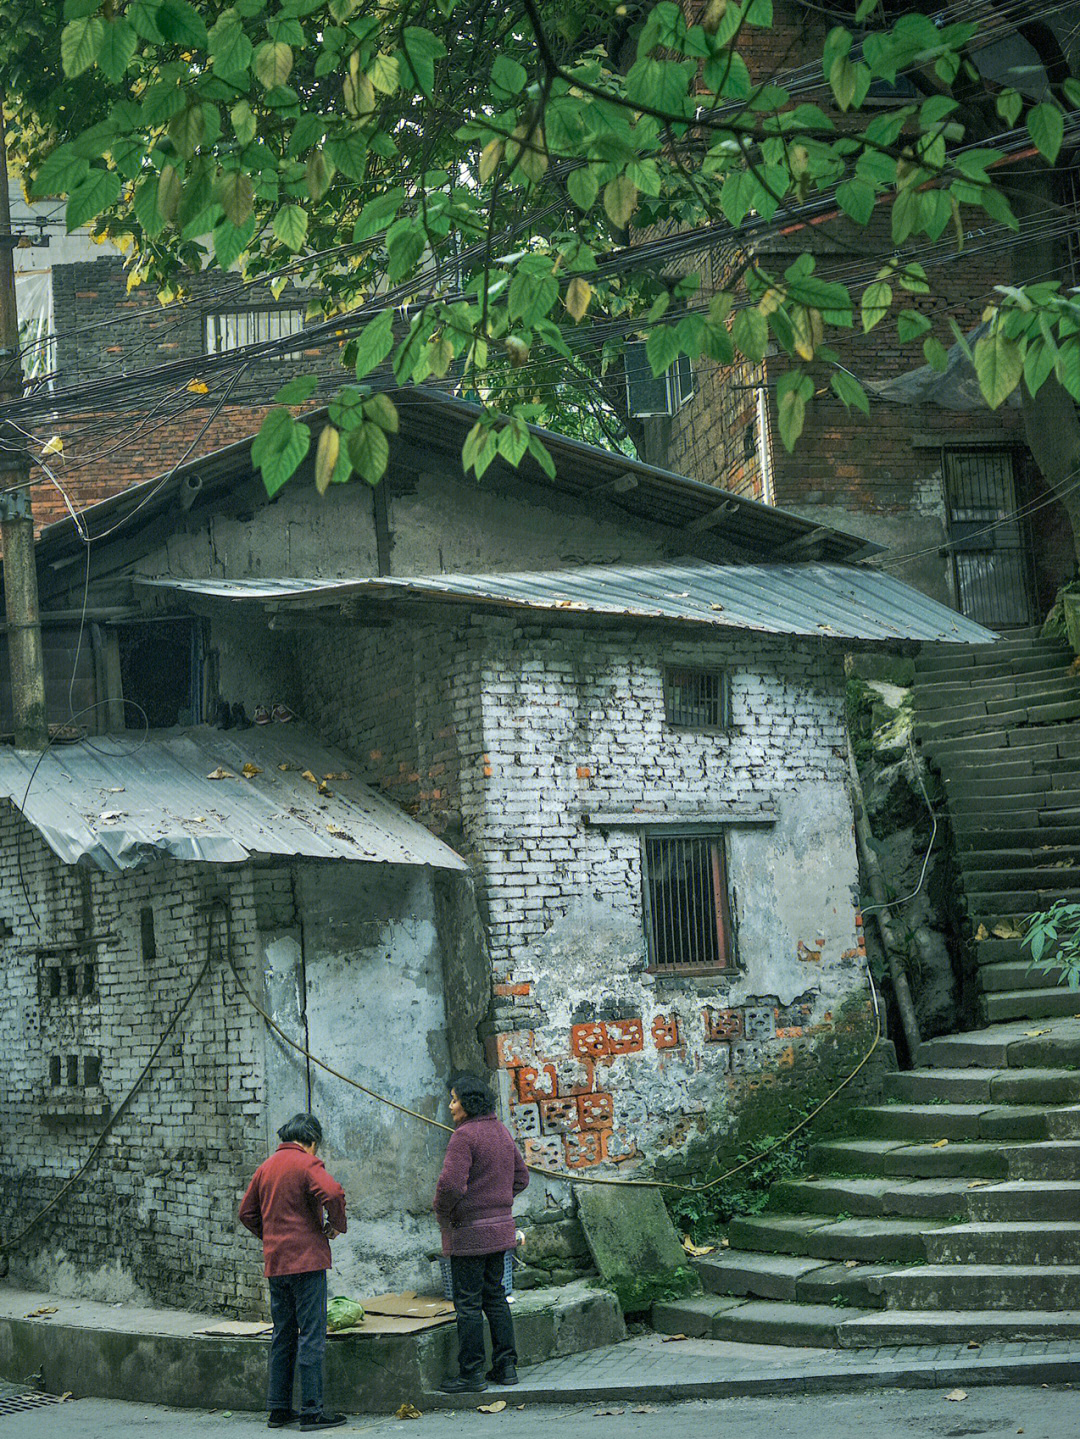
16, 511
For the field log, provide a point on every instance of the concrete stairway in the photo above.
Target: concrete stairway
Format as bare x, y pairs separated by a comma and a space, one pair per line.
1001, 723
949, 1213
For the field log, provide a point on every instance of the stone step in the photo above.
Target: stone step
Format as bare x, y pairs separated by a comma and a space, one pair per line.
892, 1157
993, 905
871, 1198
1029, 1004
764, 1322
1025, 1201
891, 1326
897, 1241
1050, 712
1019, 1045
762, 1275
984, 1086
1050, 802
1016, 974
1006, 857
983, 1286
991, 1242
956, 695
1002, 652
1054, 1159
1027, 789
1044, 742
989, 833
1037, 877
951, 1121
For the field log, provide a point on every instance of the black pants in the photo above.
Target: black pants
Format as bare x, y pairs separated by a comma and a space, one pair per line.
298, 1309
478, 1290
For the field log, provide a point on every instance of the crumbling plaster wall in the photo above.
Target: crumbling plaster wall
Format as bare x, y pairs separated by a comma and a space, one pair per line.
362, 944
601, 1062
154, 1218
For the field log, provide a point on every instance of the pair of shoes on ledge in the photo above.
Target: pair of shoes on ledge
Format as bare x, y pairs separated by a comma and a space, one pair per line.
280, 714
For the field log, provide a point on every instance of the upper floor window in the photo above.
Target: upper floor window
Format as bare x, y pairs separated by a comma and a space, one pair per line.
234, 329
696, 699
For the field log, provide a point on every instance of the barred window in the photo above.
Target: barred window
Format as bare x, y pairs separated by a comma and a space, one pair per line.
687, 914
233, 329
697, 699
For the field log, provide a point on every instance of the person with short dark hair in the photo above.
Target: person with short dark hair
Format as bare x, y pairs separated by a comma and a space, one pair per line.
482, 1173
296, 1208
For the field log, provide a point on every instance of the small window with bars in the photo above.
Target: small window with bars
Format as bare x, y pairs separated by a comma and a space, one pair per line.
697, 699
234, 329
687, 911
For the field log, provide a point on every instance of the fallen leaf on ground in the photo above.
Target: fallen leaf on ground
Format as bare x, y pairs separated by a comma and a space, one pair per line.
696, 1250
725, 1244
342, 774
250, 770
956, 1395
306, 774
974, 1344
1034, 1033
978, 1183
939, 1144
644, 1409
851, 1264
408, 1411
600, 1413
322, 788
226, 1414
672, 1338
108, 815
981, 933
40, 1313
495, 1407
338, 832
221, 774
1007, 931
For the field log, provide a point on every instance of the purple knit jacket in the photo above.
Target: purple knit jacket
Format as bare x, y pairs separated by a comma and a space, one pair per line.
481, 1174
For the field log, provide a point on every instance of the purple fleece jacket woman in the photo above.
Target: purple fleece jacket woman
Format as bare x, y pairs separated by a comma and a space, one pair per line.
481, 1174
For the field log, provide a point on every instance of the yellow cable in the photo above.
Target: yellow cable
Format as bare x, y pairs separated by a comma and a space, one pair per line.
555, 1173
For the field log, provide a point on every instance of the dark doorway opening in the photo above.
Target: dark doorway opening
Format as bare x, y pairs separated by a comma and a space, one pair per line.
158, 672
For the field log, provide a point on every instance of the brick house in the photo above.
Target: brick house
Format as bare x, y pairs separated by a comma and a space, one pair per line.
946, 486
607, 694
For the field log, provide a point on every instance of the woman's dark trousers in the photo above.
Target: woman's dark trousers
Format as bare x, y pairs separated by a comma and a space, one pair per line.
478, 1290
298, 1309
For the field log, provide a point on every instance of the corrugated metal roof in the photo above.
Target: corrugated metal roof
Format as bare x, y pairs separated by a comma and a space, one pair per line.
125, 801
838, 601
433, 428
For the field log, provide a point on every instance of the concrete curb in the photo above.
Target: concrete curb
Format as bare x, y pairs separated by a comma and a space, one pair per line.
808, 1379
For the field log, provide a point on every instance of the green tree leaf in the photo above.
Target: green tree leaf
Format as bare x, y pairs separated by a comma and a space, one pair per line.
296, 391
999, 364
80, 42
421, 49
273, 63
936, 354
1009, 105
95, 194
662, 348
369, 451
856, 198
508, 75
876, 299
910, 324
850, 391
235, 194
750, 331
279, 448
291, 227
117, 48
374, 343
794, 390
1046, 126
230, 241
230, 49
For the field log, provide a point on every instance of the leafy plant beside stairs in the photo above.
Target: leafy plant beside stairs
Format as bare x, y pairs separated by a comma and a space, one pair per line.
1053, 939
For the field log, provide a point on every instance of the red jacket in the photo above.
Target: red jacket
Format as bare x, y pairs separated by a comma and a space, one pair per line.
480, 1176
284, 1207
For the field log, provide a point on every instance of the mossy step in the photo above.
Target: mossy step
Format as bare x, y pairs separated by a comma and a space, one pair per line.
892, 1326
871, 1198
1053, 1159
765, 1276
951, 1121
892, 1157
1024, 1200
989, 1242
898, 1241
983, 1286
695, 1317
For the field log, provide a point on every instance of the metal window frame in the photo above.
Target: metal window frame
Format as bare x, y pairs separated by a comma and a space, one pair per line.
1025, 549
723, 675
211, 329
721, 910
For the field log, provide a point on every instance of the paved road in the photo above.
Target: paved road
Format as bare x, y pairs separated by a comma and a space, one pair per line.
885, 1414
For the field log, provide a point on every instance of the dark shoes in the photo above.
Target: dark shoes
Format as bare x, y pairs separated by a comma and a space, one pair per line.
321, 1421
463, 1384
503, 1376
278, 1418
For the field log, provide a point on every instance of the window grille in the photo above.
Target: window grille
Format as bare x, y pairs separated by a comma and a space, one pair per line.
233, 329
696, 699
687, 916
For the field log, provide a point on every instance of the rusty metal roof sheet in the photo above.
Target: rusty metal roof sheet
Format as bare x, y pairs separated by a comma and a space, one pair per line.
126, 801
825, 601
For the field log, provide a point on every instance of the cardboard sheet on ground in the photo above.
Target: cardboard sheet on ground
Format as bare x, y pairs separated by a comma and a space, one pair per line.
238, 1328
401, 1314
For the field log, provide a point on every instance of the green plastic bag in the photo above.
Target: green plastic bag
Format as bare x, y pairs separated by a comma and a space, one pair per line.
342, 1313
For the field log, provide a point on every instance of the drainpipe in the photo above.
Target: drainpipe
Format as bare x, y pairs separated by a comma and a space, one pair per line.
16, 514
871, 867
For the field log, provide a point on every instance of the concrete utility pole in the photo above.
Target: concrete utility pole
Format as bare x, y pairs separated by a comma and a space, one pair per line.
16, 511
